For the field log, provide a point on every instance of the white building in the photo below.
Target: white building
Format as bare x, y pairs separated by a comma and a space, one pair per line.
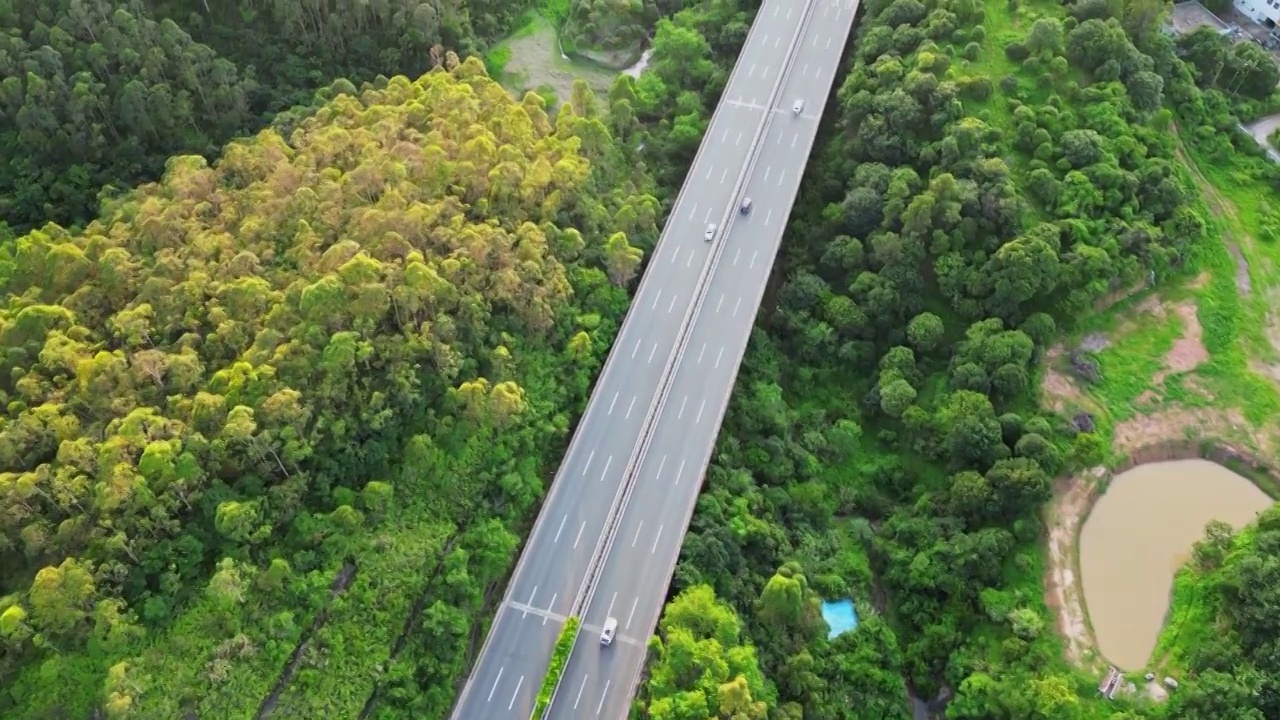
1263, 12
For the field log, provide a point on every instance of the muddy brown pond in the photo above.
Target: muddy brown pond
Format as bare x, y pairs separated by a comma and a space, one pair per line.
1138, 535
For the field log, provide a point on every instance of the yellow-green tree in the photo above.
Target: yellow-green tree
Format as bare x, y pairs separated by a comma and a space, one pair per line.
211, 390
701, 667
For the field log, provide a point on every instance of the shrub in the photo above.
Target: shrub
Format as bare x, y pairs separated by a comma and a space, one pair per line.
979, 88
559, 658
495, 61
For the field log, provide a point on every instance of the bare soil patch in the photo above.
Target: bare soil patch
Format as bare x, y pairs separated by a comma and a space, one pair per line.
1270, 370
1156, 691
1188, 351
1174, 423
1151, 305
1095, 342
1058, 390
1221, 207
1193, 384
536, 61
1072, 499
1272, 326
1147, 400
1273, 329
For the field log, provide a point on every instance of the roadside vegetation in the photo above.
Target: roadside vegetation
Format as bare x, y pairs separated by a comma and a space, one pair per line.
994, 171
555, 669
283, 415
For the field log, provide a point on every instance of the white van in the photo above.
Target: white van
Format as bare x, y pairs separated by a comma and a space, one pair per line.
606, 633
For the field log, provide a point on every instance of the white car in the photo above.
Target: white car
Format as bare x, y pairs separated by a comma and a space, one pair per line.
797, 107
710, 234
606, 633
745, 207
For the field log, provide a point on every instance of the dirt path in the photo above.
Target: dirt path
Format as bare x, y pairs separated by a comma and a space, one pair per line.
1072, 499
1221, 207
1224, 208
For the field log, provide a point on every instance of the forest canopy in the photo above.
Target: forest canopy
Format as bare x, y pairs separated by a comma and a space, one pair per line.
610, 31
98, 93
210, 391
1237, 669
284, 415
884, 441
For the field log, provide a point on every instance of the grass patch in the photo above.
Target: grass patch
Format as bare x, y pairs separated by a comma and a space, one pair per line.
1194, 608
1232, 299
1236, 304
1128, 366
1192, 619
533, 58
495, 61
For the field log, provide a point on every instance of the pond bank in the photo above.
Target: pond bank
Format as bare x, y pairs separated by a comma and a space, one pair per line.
1137, 536
1074, 498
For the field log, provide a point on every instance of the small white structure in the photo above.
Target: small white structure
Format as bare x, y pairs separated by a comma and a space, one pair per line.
1263, 12
1110, 683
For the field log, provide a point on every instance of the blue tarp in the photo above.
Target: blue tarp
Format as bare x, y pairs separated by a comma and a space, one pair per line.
840, 616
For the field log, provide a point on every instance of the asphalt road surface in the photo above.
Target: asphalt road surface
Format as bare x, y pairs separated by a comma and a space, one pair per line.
506, 677
599, 681
559, 552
